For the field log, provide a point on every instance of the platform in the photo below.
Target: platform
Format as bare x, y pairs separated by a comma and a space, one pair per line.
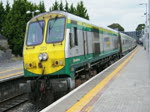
11, 70
123, 87
130, 91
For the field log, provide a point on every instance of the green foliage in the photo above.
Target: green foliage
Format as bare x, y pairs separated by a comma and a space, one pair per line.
61, 7
79, 10
14, 27
2, 16
7, 9
55, 6
72, 9
140, 27
116, 26
67, 7
41, 7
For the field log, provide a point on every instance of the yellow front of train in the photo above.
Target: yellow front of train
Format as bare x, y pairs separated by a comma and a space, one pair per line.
44, 45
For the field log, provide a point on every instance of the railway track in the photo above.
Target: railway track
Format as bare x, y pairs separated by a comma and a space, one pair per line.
13, 102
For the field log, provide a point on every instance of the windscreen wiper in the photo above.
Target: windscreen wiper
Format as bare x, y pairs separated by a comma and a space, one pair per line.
40, 25
51, 26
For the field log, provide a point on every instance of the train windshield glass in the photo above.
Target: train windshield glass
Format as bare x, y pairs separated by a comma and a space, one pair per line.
35, 33
55, 31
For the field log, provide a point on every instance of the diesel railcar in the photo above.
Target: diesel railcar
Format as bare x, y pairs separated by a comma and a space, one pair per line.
60, 48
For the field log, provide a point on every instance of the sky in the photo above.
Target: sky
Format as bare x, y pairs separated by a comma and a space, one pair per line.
128, 13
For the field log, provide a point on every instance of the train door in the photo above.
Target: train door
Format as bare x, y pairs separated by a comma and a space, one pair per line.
74, 42
96, 43
120, 43
85, 43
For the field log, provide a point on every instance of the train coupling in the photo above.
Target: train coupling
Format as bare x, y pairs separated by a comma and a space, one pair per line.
57, 85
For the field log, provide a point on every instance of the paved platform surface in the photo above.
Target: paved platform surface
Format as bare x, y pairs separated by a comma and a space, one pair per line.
130, 91
11, 70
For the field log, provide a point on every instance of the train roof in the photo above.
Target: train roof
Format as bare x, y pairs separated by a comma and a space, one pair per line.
73, 17
77, 18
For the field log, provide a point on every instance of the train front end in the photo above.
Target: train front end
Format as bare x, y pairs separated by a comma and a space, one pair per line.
44, 45
44, 56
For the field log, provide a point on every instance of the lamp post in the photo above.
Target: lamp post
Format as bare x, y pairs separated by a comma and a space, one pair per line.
146, 11
29, 12
146, 27
149, 33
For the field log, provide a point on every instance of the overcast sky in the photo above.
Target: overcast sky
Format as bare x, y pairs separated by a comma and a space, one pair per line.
128, 13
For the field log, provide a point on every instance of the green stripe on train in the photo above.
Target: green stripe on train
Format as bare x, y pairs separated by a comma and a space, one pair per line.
75, 62
80, 27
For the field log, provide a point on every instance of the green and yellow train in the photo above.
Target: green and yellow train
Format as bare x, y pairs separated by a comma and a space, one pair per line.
60, 47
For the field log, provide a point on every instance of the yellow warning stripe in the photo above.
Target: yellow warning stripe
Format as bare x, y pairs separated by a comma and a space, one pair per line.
10, 75
88, 97
10, 70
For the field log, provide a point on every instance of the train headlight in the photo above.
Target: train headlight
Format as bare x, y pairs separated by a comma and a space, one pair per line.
45, 56
40, 57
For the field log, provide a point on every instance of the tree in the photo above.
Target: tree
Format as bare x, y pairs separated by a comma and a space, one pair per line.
7, 9
2, 16
61, 6
116, 26
41, 7
81, 10
15, 24
67, 7
140, 27
72, 9
55, 6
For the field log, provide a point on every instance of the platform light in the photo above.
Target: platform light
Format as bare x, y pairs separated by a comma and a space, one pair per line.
33, 12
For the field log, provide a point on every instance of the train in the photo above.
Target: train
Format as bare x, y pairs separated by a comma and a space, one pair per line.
61, 48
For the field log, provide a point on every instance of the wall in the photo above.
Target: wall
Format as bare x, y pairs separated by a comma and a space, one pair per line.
5, 52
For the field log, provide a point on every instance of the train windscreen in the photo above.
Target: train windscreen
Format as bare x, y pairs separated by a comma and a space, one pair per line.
55, 31
35, 33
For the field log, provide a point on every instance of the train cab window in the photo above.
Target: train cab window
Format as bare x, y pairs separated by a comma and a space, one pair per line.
55, 31
35, 33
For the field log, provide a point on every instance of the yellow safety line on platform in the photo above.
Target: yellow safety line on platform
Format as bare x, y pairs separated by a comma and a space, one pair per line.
89, 96
88, 109
10, 70
10, 75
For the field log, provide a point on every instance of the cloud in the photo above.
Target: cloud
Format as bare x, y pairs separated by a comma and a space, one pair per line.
127, 13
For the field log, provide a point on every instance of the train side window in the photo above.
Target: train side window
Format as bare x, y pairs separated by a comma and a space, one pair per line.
71, 40
75, 36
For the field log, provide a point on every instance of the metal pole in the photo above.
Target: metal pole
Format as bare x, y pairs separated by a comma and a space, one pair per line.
146, 13
149, 33
32, 13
